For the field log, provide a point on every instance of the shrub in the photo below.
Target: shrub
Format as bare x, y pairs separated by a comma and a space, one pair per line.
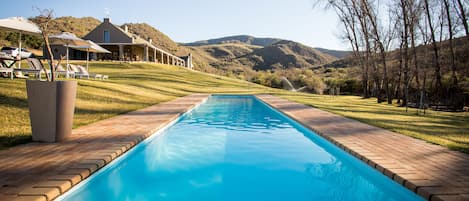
315, 84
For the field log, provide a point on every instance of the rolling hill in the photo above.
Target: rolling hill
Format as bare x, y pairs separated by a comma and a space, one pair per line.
237, 53
258, 53
159, 39
79, 26
245, 39
286, 54
336, 53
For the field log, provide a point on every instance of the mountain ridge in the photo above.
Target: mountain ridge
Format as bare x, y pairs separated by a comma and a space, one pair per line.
247, 39
261, 41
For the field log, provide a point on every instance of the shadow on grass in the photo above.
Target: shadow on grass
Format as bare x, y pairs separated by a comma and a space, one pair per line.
13, 101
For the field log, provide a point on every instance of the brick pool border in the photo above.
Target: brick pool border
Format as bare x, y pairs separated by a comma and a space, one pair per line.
433, 172
44, 171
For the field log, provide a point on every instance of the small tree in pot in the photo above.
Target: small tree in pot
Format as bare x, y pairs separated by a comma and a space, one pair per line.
51, 102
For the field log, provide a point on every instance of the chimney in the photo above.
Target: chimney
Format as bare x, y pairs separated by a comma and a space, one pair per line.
126, 29
106, 19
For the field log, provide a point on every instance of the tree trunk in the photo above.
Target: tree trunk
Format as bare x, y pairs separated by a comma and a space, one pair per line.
438, 84
405, 53
382, 53
51, 57
364, 29
399, 80
414, 52
454, 78
463, 16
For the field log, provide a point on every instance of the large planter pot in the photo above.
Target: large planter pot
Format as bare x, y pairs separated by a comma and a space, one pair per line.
51, 109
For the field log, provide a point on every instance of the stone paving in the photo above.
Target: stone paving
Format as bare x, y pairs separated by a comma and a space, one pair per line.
431, 171
43, 171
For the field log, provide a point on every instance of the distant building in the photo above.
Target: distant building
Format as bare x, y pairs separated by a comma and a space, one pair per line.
125, 46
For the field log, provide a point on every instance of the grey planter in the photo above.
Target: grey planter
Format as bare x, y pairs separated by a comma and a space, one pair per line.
51, 109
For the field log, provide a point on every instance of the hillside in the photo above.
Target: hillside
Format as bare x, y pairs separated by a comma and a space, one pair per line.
159, 39
260, 53
286, 54
222, 52
79, 26
336, 53
237, 53
280, 55
245, 39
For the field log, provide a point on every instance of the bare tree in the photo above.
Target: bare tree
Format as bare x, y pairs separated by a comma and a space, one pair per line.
414, 18
401, 64
423, 28
449, 22
462, 15
436, 55
403, 6
421, 31
347, 16
43, 20
365, 37
371, 12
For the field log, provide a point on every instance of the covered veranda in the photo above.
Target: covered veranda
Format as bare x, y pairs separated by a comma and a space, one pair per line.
131, 52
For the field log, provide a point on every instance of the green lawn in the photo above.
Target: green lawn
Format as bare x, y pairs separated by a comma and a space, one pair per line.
445, 128
130, 87
134, 86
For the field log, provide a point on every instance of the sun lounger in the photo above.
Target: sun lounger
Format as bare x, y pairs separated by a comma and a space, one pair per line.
78, 72
60, 70
35, 67
6, 70
81, 72
7, 67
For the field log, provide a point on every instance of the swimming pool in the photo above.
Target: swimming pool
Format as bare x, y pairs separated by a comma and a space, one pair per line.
237, 148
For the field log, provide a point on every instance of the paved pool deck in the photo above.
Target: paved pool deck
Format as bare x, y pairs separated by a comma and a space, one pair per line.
434, 172
43, 171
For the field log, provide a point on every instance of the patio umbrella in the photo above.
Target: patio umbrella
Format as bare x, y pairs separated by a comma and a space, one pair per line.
21, 25
92, 47
67, 39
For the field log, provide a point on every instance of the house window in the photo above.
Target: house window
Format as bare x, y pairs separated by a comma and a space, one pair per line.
107, 37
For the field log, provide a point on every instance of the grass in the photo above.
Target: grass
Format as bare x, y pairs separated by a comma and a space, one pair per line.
134, 86
130, 87
444, 128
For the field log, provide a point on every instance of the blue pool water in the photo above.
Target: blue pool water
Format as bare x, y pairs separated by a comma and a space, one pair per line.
237, 148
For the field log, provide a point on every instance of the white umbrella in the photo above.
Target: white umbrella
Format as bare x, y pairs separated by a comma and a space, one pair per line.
92, 47
21, 25
68, 40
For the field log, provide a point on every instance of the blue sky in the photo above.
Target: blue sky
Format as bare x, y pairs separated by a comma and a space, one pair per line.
192, 20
